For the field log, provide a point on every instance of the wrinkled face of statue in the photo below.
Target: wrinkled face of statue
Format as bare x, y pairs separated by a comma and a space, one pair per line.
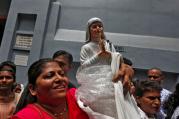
96, 31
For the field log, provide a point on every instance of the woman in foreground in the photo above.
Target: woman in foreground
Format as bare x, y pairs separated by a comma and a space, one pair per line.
50, 97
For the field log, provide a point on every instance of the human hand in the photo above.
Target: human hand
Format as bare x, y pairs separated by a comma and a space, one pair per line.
101, 43
104, 54
85, 102
125, 73
132, 88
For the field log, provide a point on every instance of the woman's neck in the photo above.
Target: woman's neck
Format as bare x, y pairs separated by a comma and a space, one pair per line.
57, 110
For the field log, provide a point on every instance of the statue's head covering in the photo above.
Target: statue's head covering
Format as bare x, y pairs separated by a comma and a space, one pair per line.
89, 23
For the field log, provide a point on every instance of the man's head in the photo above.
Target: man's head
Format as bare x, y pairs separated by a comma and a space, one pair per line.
64, 58
155, 74
7, 75
18, 88
147, 95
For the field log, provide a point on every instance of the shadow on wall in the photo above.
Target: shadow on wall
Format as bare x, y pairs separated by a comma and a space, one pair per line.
4, 9
2, 26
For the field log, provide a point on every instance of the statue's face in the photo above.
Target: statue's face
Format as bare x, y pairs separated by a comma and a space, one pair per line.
96, 31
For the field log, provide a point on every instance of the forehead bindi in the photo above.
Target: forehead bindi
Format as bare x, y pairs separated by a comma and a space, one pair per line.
154, 72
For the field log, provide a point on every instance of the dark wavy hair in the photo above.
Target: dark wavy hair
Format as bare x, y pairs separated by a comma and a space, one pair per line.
12, 68
146, 85
65, 54
172, 102
34, 71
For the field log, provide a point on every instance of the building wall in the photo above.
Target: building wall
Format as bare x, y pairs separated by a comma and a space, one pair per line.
146, 29
141, 17
141, 61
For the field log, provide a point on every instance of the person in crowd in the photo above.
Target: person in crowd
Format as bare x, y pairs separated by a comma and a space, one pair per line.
157, 75
147, 95
132, 83
25, 99
103, 77
19, 88
171, 105
65, 59
8, 98
50, 97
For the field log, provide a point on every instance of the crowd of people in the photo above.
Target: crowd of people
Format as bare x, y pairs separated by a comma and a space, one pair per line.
106, 89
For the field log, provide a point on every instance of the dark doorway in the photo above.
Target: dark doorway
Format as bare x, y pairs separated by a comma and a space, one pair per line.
4, 9
2, 26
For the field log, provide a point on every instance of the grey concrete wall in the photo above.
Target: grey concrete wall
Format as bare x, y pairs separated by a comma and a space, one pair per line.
144, 51
28, 18
142, 17
147, 30
142, 58
139, 56
155, 20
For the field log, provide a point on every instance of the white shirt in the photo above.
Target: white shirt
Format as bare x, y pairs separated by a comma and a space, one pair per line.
143, 115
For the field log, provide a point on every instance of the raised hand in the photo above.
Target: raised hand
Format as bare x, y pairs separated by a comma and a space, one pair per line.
101, 43
124, 74
104, 54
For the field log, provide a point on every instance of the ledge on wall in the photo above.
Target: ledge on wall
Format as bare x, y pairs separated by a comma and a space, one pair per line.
129, 40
